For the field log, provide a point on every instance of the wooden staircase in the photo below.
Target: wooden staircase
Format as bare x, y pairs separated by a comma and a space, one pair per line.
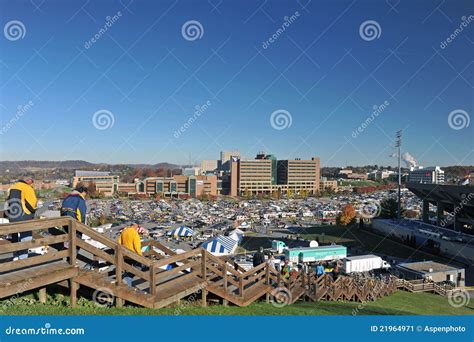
162, 277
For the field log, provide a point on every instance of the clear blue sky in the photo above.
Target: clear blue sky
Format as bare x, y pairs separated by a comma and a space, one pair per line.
319, 69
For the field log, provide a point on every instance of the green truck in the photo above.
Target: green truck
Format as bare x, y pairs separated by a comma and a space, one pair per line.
315, 254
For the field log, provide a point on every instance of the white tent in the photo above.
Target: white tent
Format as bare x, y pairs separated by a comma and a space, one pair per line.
220, 245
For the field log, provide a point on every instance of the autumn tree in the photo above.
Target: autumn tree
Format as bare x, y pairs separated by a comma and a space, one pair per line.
347, 216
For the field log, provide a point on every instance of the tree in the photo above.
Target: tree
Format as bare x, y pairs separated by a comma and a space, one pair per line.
389, 208
347, 216
290, 193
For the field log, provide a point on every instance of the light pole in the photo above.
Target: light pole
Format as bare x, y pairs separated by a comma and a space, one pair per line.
398, 145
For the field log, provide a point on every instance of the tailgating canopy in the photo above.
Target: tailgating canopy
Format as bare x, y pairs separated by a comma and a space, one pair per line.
181, 232
220, 245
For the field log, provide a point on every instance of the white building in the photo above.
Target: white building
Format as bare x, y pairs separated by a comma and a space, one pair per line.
378, 175
428, 175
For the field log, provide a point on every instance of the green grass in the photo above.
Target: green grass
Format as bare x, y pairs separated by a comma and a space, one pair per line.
359, 183
400, 303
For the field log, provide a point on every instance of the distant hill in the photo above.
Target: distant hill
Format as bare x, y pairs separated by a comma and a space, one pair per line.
73, 164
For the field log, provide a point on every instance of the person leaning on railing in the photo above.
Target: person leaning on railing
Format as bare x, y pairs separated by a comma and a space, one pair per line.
74, 205
130, 239
21, 206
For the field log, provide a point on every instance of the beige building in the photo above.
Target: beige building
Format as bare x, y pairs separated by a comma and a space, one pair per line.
209, 166
266, 175
193, 186
327, 184
104, 182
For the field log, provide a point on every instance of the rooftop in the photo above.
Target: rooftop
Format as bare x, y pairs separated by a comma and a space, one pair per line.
84, 173
426, 266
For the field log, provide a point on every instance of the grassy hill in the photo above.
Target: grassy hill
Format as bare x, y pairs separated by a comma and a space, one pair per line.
400, 303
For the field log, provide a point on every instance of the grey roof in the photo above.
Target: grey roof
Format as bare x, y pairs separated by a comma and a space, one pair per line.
83, 173
360, 257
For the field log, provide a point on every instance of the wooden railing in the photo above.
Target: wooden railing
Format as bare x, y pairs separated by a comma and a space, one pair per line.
34, 227
229, 277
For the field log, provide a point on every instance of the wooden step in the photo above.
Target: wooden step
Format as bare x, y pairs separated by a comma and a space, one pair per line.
34, 277
250, 295
172, 291
254, 293
296, 293
100, 282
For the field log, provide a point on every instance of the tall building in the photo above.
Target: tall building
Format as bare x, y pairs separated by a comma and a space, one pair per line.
300, 174
209, 166
226, 156
428, 175
265, 174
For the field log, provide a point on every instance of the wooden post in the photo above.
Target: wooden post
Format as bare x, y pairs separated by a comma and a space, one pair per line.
118, 265
203, 264
152, 281
72, 241
118, 273
73, 287
42, 295
241, 287
118, 302
224, 276
204, 298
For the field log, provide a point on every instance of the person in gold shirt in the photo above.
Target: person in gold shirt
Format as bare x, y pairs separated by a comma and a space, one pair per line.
21, 206
130, 239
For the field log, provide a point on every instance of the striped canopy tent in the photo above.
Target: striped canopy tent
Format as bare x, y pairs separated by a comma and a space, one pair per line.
220, 245
181, 232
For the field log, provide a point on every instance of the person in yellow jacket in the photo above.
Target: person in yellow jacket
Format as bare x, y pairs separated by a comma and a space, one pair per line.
130, 239
21, 205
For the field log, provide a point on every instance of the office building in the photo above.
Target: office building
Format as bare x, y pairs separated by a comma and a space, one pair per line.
105, 183
327, 185
265, 175
179, 185
209, 166
226, 156
300, 175
428, 175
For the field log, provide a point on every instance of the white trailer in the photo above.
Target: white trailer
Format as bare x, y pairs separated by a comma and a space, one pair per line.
364, 263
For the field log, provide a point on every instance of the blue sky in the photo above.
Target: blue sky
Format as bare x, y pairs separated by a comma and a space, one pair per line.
321, 72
